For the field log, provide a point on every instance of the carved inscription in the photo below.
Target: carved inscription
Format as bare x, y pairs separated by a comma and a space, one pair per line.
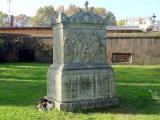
91, 86
78, 49
50, 86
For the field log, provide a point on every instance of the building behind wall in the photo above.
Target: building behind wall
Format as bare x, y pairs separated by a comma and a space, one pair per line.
144, 23
123, 29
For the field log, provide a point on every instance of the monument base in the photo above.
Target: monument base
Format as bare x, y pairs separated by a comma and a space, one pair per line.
89, 87
84, 104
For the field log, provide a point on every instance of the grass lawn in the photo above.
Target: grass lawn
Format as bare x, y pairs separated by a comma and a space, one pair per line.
21, 84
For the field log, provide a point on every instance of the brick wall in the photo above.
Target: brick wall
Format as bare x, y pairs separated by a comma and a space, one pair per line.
26, 30
47, 30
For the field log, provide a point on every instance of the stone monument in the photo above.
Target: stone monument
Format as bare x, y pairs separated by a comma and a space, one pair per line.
79, 77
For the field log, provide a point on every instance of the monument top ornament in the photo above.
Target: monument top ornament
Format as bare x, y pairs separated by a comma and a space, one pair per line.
86, 5
81, 17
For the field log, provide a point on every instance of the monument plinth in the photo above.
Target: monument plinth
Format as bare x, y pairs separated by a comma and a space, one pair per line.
79, 77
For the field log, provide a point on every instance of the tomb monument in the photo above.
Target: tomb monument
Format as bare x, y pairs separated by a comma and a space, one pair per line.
80, 77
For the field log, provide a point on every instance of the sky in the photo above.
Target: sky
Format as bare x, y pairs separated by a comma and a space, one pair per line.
122, 9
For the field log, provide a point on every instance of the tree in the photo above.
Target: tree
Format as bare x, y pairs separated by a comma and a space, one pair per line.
21, 20
100, 11
42, 16
113, 21
3, 19
103, 13
72, 9
121, 22
60, 9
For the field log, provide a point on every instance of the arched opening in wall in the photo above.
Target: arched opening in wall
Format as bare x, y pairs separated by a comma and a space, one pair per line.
121, 57
2, 59
26, 55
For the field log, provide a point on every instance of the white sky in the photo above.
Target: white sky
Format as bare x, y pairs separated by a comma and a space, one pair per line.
121, 8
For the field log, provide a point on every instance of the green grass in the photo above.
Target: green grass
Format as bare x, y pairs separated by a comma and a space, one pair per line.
21, 84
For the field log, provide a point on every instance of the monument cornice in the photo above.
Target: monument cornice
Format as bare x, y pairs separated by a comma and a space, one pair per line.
81, 18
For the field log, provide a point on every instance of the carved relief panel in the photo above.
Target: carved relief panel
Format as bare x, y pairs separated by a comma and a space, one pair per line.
82, 46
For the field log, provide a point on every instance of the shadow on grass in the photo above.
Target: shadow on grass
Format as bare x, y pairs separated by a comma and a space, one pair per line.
21, 93
138, 102
132, 88
22, 84
26, 93
23, 78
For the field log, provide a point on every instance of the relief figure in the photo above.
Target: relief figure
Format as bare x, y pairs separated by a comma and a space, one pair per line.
77, 39
103, 47
85, 53
77, 50
68, 51
95, 48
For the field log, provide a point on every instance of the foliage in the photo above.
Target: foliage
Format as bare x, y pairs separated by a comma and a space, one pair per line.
72, 9
19, 41
46, 47
3, 19
22, 84
121, 22
2, 48
21, 20
42, 16
155, 95
42, 45
100, 11
60, 9
113, 21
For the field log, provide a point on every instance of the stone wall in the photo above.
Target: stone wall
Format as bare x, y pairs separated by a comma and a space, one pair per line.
123, 31
144, 48
37, 42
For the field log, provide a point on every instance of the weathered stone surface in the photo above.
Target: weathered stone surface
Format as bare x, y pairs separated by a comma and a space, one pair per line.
81, 17
85, 104
78, 85
79, 77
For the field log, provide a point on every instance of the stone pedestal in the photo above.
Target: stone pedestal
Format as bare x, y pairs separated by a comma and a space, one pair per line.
82, 88
79, 77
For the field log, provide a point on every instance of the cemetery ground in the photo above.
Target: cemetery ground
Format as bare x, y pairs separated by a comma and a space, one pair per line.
22, 84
